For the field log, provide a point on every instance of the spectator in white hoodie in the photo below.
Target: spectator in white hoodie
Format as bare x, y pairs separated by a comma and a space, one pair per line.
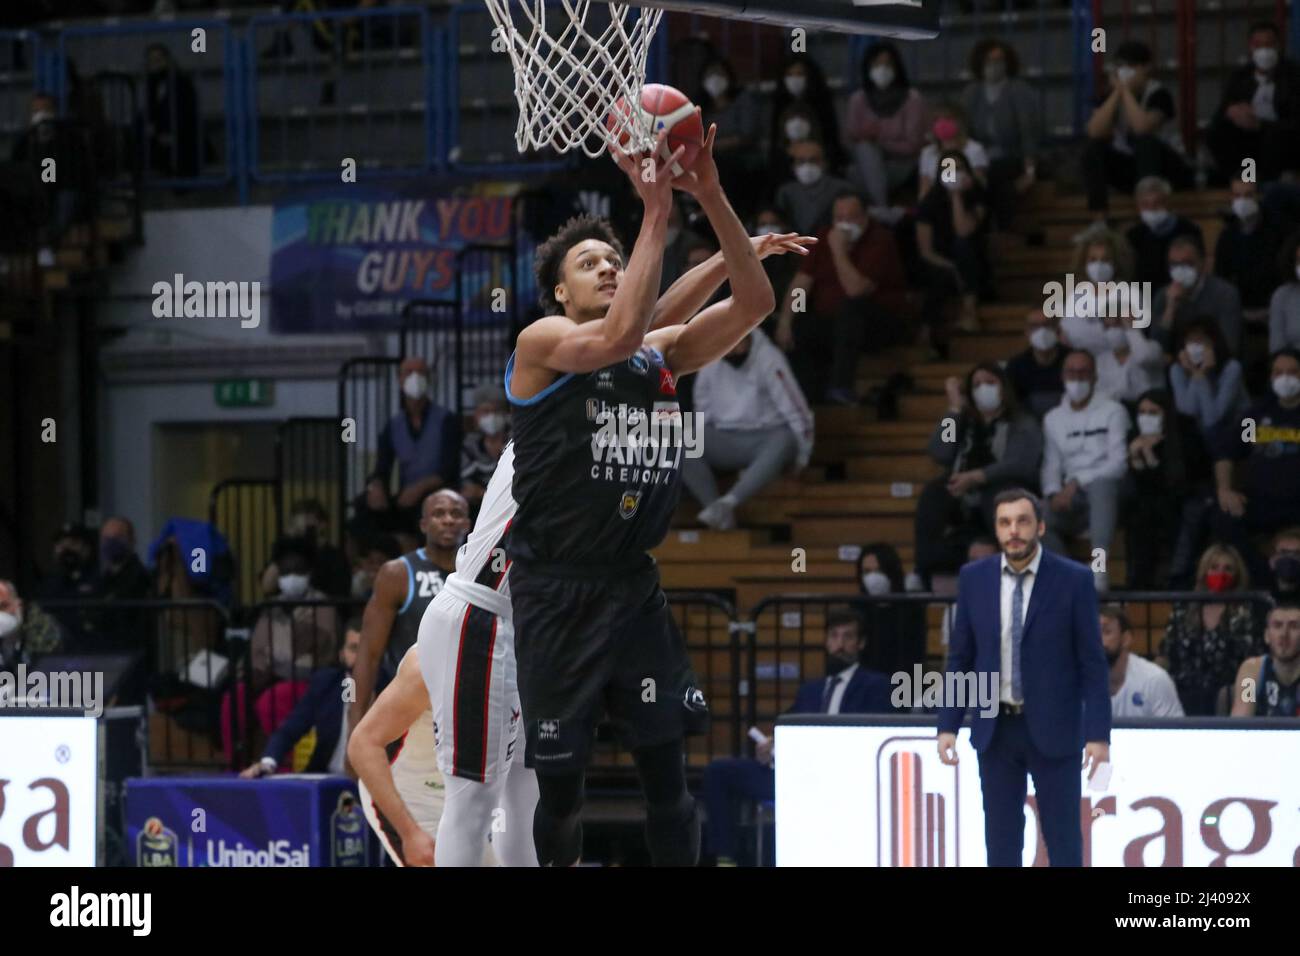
1131, 364
756, 421
1085, 458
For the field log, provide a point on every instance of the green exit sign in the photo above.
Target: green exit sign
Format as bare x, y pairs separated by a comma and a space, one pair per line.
245, 392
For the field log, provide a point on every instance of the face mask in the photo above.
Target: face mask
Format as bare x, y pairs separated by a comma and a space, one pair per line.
797, 128
1078, 391
113, 551
1287, 571
1154, 218
1116, 339
1196, 352
1042, 339
1243, 207
492, 424
1150, 424
795, 85
770, 230
415, 385
1184, 275
1265, 57
293, 585
1100, 271
876, 582
1125, 74
716, 84
671, 234
987, 395
945, 129
1286, 386
882, 76
42, 116
808, 173
836, 664
995, 71
9, 623
1219, 581
850, 229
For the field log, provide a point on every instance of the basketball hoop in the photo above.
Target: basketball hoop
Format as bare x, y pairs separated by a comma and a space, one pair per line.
568, 77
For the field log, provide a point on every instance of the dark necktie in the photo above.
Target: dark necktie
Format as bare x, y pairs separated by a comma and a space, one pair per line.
831, 684
1017, 632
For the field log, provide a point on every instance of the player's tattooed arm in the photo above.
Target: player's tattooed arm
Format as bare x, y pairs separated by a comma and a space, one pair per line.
391, 584
691, 291
395, 710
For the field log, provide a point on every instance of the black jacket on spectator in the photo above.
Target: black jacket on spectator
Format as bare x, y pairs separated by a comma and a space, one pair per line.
120, 629
1249, 261
1272, 471
1241, 86
1151, 250
1038, 387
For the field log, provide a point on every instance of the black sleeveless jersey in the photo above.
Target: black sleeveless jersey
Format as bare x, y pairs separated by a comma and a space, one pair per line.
598, 461
1273, 698
423, 580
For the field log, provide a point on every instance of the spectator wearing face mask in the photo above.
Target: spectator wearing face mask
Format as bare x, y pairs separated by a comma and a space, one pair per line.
484, 445
756, 422
1270, 477
1205, 642
423, 439
1206, 379
949, 135
1192, 294
372, 554
292, 636
1101, 257
308, 526
985, 445
121, 576
853, 287
1150, 239
886, 124
1035, 374
1285, 564
1165, 493
1132, 134
803, 107
1138, 688
1084, 461
26, 632
1005, 114
63, 201
1259, 114
899, 629
1132, 363
736, 150
72, 578
951, 226
1284, 306
1246, 252
806, 202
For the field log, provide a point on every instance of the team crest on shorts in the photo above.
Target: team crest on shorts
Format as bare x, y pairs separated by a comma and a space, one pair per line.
630, 502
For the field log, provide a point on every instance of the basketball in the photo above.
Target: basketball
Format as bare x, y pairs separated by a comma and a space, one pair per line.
663, 107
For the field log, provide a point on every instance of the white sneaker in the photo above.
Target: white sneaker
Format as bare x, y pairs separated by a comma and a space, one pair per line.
720, 516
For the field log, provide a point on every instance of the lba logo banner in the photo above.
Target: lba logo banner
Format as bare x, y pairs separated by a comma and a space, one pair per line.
877, 795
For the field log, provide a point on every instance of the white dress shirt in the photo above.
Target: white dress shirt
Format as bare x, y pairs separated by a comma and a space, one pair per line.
837, 695
1008, 592
1262, 102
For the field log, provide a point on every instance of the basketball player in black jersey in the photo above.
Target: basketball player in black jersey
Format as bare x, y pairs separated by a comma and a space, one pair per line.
403, 589
593, 629
1269, 685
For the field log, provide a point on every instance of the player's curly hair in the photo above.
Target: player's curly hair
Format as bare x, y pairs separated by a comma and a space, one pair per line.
550, 254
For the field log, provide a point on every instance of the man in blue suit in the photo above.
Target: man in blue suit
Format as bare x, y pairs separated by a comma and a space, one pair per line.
847, 688
1029, 616
321, 709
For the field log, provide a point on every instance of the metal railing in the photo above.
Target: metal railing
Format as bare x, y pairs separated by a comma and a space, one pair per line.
249, 512
368, 399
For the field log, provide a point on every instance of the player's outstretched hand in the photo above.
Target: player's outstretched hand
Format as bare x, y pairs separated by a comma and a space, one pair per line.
652, 179
417, 848
702, 177
777, 244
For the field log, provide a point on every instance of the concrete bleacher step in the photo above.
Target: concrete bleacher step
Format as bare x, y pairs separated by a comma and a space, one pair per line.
916, 467
985, 347
845, 529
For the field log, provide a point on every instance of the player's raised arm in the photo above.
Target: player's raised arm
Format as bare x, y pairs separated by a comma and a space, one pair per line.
607, 307
687, 295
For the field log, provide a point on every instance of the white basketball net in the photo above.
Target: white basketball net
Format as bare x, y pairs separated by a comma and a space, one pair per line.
567, 79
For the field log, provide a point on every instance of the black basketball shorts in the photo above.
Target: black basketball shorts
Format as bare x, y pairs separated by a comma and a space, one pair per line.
589, 646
